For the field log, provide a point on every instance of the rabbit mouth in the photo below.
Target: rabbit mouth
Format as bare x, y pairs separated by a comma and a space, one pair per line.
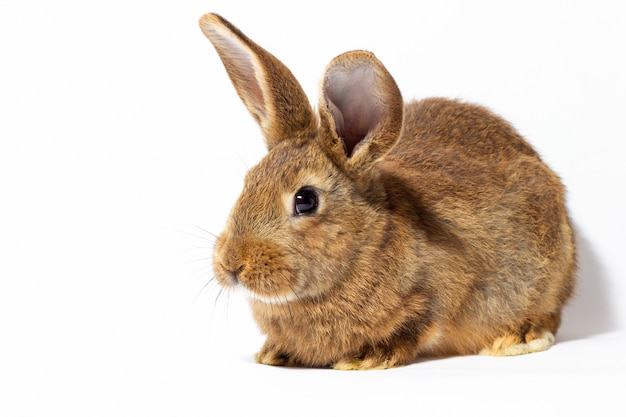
234, 281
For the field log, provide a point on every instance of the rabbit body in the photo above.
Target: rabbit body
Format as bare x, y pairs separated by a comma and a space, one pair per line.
380, 231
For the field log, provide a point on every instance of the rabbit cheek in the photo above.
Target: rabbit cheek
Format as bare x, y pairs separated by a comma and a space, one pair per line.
267, 275
260, 268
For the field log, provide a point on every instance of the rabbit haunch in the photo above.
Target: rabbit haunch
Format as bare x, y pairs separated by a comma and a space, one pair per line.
426, 228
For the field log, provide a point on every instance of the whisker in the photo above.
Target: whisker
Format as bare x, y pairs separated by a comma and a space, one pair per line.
199, 237
222, 294
208, 258
212, 237
282, 306
203, 289
203, 247
246, 166
276, 306
289, 310
295, 294
219, 293
227, 301
207, 232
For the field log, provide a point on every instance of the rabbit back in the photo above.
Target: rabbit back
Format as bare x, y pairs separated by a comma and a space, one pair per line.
496, 244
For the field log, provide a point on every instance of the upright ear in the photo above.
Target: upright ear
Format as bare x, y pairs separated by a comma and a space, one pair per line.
265, 85
361, 110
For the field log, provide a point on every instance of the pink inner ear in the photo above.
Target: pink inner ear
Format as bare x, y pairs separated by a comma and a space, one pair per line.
351, 95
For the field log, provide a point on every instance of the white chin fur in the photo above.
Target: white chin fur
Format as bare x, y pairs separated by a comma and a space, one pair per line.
284, 299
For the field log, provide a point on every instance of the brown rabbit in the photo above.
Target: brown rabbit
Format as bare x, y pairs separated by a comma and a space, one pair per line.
380, 231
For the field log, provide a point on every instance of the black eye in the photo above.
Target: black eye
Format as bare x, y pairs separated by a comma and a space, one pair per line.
305, 201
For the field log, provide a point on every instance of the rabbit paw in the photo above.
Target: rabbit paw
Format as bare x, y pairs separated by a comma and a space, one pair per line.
272, 357
361, 364
511, 345
370, 360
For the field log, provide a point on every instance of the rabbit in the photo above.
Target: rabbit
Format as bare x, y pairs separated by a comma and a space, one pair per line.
375, 232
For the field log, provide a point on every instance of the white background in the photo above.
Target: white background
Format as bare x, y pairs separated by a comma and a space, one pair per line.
123, 144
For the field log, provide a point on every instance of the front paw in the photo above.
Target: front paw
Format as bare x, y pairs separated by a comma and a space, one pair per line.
272, 357
379, 357
361, 364
372, 360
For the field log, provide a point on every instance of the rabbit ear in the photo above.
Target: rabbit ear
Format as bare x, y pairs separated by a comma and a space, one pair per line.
361, 105
265, 85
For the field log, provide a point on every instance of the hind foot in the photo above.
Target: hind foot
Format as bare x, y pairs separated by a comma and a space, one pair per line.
512, 345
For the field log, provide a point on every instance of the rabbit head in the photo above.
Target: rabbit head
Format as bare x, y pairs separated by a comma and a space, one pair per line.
292, 227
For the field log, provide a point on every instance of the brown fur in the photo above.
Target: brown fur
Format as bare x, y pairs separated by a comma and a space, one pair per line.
439, 230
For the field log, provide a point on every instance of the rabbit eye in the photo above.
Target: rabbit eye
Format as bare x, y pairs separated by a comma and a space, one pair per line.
305, 201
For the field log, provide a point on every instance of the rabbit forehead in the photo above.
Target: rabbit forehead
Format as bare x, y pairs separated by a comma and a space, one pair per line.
288, 167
